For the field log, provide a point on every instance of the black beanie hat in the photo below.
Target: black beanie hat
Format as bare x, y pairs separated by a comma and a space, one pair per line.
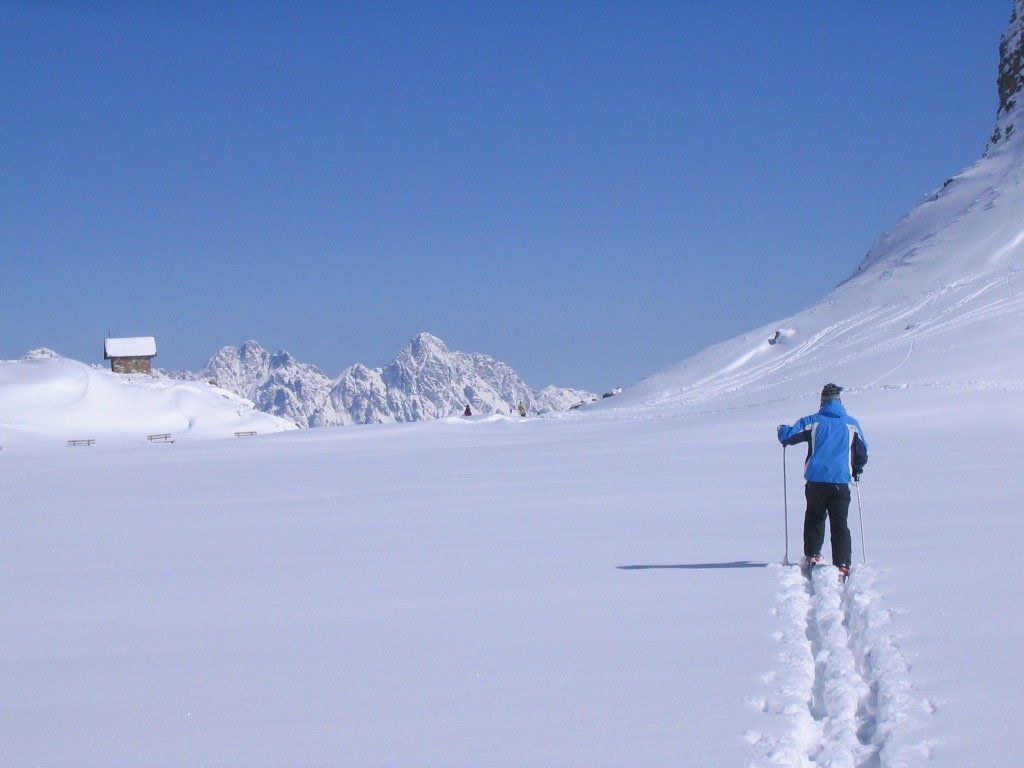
830, 392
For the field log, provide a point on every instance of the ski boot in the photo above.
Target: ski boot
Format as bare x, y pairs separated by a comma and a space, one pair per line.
808, 564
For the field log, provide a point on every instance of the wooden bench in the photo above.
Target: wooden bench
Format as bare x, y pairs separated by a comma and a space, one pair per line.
245, 434
164, 438
76, 443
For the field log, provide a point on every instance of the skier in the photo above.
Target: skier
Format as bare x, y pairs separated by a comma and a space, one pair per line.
522, 409
836, 453
467, 412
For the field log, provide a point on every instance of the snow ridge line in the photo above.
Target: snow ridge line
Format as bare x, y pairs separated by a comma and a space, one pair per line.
841, 695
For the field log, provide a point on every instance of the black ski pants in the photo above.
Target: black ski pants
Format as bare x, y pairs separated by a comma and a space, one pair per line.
831, 500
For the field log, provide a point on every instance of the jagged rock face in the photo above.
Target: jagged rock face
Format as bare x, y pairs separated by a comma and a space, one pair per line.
426, 380
239, 369
278, 384
360, 396
1011, 78
298, 391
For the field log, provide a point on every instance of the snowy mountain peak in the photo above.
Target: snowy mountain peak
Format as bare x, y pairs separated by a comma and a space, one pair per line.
40, 353
1011, 80
426, 380
427, 343
422, 348
251, 349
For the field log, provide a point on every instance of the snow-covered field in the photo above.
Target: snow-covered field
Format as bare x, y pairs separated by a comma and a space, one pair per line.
592, 591
603, 588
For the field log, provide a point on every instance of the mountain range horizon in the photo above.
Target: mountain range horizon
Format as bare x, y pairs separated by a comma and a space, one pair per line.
425, 380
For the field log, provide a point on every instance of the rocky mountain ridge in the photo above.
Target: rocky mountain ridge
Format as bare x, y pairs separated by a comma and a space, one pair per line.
1010, 81
426, 380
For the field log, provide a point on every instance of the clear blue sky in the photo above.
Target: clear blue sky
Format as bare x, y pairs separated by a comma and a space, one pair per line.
588, 191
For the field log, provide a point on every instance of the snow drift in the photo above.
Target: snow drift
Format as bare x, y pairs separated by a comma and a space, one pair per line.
47, 397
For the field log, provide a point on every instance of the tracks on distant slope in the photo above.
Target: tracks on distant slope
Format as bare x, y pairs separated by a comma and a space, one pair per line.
841, 686
900, 325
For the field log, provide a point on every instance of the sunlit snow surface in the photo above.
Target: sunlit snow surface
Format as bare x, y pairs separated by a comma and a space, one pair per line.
46, 400
599, 589
578, 592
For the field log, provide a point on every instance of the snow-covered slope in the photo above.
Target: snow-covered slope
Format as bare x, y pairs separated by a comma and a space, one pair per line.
426, 380
937, 302
44, 397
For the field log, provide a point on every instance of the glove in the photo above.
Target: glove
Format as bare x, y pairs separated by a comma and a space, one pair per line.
856, 477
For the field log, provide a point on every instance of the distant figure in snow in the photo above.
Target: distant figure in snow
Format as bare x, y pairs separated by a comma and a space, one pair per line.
467, 412
836, 453
522, 409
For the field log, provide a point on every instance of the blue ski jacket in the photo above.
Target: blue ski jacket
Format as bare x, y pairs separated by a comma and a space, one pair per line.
836, 445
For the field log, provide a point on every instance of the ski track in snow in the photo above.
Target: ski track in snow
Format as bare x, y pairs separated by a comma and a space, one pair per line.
841, 685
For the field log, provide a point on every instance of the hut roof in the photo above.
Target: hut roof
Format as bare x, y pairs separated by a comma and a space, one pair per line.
134, 346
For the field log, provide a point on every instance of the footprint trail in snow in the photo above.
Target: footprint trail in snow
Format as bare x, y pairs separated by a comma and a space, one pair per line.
841, 695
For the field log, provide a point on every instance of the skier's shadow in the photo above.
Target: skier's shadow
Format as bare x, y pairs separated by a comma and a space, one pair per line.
695, 566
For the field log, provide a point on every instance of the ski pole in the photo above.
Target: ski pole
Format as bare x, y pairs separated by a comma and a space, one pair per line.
785, 505
860, 514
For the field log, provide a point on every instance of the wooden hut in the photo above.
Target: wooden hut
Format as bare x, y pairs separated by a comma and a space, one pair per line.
130, 355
